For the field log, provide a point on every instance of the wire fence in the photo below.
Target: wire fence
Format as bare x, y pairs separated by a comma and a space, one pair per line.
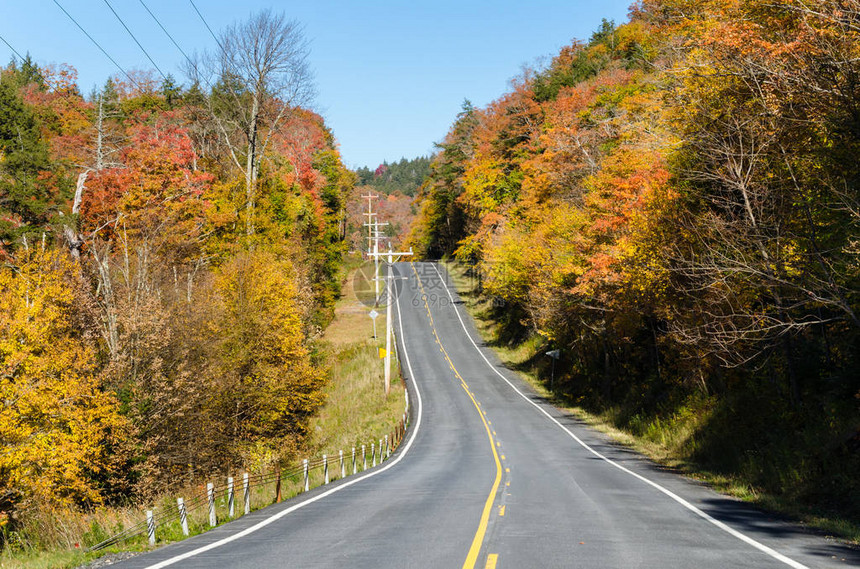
219, 500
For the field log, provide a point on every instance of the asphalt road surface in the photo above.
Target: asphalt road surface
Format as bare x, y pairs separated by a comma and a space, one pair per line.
492, 476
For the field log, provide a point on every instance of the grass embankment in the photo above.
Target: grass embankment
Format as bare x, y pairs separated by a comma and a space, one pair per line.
698, 438
356, 412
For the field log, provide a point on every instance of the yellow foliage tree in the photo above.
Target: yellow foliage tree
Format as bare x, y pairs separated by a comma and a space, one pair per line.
56, 422
270, 387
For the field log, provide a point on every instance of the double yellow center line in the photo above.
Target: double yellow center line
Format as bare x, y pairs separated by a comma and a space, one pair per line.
475, 550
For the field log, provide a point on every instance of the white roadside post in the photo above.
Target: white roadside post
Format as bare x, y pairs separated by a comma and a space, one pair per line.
246, 496
373, 453
364, 457
354, 466
387, 448
325, 468
307, 479
150, 527
342, 467
183, 515
231, 509
210, 493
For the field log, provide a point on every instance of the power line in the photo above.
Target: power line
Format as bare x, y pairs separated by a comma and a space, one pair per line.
152, 61
163, 29
80, 27
227, 59
190, 61
15, 51
202, 19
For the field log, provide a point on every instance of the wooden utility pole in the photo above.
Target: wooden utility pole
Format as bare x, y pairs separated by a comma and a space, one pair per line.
373, 237
392, 257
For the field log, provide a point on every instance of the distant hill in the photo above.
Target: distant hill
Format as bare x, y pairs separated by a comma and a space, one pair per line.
405, 176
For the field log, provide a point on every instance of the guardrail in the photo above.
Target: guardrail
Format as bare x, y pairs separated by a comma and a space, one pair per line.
332, 468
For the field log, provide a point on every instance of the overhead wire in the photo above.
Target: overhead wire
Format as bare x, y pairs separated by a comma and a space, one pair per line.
226, 59
15, 51
163, 29
80, 27
152, 61
190, 61
202, 19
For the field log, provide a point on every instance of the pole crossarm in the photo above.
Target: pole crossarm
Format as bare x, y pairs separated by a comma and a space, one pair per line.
373, 252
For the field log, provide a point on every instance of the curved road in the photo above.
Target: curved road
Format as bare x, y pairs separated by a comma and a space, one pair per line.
492, 476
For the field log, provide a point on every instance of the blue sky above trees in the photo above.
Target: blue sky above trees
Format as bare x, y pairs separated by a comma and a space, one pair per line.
391, 75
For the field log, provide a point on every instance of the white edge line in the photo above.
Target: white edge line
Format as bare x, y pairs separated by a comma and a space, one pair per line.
746, 539
338, 488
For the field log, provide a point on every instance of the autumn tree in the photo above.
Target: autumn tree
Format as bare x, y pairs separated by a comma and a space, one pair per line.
206, 232
30, 193
764, 99
262, 75
268, 388
58, 423
440, 226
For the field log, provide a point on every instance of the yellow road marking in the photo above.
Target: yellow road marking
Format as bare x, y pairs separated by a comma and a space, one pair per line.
472, 557
502, 510
492, 559
503, 457
508, 483
507, 470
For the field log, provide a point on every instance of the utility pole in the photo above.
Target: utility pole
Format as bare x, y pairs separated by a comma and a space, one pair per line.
392, 257
373, 237
370, 215
372, 244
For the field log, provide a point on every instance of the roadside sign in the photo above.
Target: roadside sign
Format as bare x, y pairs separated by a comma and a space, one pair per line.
555, 355
382, 353
373, 314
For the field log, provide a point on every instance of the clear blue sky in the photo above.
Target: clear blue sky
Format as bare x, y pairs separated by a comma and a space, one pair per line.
391, 75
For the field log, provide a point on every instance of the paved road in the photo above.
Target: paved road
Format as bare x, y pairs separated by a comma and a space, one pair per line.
491, 474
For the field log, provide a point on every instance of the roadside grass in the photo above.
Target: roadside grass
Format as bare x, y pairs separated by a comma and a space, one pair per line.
678, 441
356, 412
59, 537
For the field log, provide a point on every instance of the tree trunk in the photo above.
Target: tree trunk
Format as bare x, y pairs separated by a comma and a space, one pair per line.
251, 167
100, 136
110, 329
73, 238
